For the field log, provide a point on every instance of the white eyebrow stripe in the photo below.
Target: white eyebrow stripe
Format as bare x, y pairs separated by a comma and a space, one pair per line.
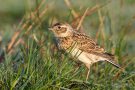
63, 26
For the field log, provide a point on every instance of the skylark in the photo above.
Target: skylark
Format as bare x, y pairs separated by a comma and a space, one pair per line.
80, 46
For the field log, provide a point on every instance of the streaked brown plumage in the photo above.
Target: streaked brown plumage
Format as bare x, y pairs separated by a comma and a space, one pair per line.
87, 50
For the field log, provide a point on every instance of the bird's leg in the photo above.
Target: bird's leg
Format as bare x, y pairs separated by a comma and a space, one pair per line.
88, 66
87, 77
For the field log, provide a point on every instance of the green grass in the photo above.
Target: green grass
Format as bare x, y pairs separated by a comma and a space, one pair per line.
36, 64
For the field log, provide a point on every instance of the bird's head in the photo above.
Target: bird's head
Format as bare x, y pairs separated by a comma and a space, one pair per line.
62, 30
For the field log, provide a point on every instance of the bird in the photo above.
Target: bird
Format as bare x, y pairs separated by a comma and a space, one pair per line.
81, 46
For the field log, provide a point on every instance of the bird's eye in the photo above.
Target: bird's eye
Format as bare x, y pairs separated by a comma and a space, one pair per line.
59, 27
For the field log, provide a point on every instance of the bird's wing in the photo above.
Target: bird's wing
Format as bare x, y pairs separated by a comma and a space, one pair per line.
86, 44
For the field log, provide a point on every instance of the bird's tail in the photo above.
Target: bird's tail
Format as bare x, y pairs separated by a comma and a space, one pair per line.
113, 63
110, 59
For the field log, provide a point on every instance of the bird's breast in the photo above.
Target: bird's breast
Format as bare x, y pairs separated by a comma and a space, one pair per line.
66, 42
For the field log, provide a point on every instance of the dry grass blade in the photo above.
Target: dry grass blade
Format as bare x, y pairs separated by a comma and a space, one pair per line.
133, 17
0, 38
89, 12
82, 18
10, 45
15, 35
16, 44
101, 27
24, 25
39, 6
70, 7
121, 3
35, 38
37, 21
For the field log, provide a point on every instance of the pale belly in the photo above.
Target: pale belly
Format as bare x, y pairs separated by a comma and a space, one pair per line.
84, 57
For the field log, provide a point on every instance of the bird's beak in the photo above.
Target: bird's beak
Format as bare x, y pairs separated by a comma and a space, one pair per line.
50, 28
